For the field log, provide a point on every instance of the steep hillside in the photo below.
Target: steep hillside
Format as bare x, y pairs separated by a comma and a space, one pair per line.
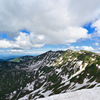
16, 75
48, 74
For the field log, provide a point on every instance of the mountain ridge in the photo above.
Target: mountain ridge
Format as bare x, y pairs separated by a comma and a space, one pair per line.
50, 73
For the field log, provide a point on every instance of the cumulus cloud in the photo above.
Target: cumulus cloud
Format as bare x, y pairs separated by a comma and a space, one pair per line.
96, 44
5, 44
26, 41
23, 41
96, 33
88, 48
96, 25
48, 21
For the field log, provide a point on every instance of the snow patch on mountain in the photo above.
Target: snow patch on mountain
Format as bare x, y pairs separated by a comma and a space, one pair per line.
81, 69
85, 94
29, 86
98, 66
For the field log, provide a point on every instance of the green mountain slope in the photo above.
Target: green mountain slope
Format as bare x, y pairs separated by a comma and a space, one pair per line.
22, 59
48, 74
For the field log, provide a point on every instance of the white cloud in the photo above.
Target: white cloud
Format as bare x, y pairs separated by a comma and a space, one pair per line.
16, 51
52, 22
96, 44
5, 44
88, 48
26, 41
36, 15
42, 50
96, 25
23, 41
22, 52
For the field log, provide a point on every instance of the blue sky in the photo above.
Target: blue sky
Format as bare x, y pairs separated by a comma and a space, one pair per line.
34, 27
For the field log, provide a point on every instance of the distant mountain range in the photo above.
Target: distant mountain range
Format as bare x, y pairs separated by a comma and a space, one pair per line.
54, 72
22, 59
2, 60
6, 59
12, 57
